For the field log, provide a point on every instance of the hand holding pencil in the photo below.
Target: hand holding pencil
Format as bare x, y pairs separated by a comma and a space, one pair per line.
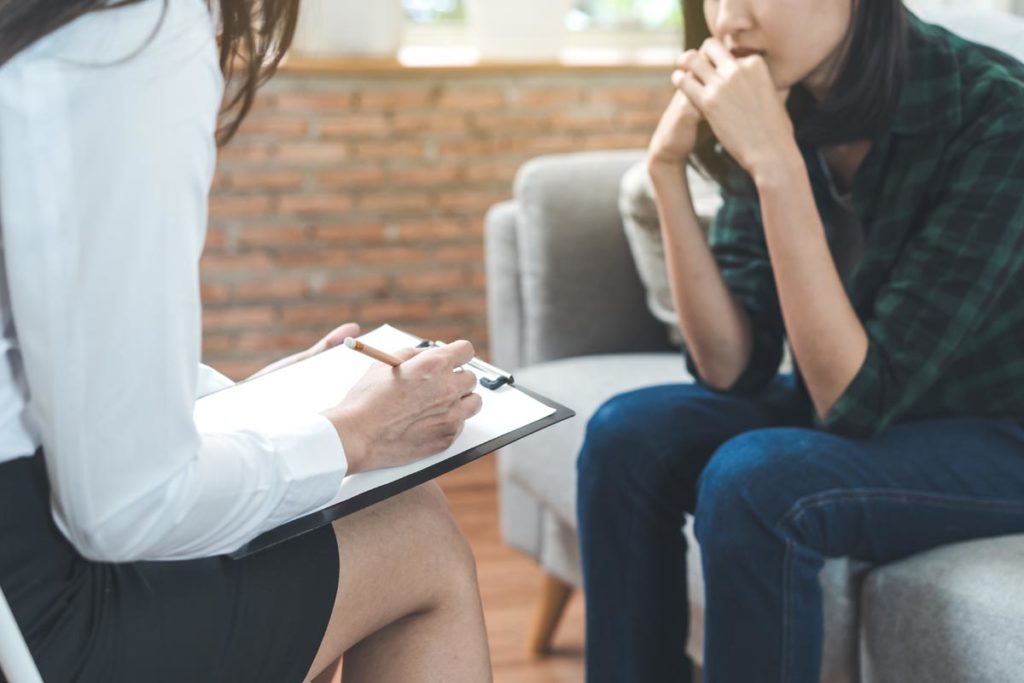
414, 404
376, 354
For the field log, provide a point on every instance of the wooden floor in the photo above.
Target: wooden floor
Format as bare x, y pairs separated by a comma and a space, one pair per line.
509, 585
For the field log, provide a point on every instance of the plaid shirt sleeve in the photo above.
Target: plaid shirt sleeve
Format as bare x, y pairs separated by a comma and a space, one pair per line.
738, 244
946, 284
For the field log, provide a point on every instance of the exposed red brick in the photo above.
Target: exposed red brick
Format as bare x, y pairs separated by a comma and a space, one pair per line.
264, 236
349, 234
303, 204
241, 153
470, 201
304, 103
215, 239
395, 310
229, 207
236, 317
435, 229
395, 201
388, 150
419, 123
319, 258
471, 99
284, 342
218, 264
402, 97
434, 281
445, 175
326, 316
348, 178
271, 290
393, 255
312, 152
214, 293
468, 253
361, 286
277, 127
368, 202
462, 307
262, 180
554, 97
357, 126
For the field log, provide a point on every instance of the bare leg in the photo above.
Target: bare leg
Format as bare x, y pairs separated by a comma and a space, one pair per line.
408, 605
328, 675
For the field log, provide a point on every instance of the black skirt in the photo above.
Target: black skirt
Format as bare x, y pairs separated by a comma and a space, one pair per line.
257, 619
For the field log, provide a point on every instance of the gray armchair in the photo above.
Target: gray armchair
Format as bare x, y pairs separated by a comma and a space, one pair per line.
567, 312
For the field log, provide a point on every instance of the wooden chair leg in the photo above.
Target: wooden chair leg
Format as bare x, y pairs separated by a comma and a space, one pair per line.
554, 597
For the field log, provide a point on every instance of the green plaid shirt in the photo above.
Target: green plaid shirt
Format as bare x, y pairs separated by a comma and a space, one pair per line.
940, 285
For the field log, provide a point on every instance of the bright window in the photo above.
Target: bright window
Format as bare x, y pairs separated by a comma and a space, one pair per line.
584, 15
628, 14
434, 11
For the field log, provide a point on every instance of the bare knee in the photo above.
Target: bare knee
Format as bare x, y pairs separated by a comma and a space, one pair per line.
443, 541
419, 528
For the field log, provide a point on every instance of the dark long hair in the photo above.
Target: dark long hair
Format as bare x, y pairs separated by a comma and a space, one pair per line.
860, 105
254, 35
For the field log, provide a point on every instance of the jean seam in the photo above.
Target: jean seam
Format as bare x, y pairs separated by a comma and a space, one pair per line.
821, 499
786, 608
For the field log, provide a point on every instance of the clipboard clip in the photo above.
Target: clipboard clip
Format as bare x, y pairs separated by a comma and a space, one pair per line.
500, 379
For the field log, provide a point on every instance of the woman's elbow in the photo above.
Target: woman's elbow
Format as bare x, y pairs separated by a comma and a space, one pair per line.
95, 541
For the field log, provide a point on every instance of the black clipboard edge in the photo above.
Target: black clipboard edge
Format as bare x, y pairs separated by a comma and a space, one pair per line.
324, 517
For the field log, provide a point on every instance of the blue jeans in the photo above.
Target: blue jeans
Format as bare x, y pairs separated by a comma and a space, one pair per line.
772, 497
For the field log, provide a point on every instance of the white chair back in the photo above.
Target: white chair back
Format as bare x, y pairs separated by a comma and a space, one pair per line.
15, 659
992, 27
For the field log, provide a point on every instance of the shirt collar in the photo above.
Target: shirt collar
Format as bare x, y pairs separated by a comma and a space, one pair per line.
931, 99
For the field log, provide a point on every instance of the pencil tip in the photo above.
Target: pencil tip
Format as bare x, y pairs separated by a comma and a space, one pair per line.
350, 342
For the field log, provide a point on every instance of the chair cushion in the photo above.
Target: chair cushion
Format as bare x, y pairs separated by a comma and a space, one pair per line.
946, 616
545, 463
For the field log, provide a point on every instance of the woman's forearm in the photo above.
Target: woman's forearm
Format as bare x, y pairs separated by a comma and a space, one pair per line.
715, 326
828, 339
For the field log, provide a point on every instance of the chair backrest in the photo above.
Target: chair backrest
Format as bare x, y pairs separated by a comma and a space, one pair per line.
15, 659
991, 27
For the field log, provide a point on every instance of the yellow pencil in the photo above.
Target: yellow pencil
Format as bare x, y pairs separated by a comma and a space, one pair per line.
376, 354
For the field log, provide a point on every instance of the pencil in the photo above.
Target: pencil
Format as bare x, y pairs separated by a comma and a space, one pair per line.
376, 354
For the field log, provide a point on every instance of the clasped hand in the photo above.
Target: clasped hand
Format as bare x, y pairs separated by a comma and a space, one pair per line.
738, 99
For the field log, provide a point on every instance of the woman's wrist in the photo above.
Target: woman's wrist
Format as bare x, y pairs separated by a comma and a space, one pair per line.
776, 169
666, 172
346, 425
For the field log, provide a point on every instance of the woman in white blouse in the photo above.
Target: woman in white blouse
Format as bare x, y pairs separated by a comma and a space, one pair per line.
115, 512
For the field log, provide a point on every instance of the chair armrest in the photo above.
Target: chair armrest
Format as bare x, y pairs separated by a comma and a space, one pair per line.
504, 292
578, 288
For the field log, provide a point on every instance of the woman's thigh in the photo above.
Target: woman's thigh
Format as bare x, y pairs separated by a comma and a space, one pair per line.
661, 437
916, 486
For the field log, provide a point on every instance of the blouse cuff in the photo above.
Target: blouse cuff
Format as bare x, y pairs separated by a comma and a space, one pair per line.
314, 463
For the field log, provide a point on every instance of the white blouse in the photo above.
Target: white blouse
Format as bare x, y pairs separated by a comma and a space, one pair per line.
106, 157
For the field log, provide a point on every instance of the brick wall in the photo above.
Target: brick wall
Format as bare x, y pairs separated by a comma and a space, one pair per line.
358, 196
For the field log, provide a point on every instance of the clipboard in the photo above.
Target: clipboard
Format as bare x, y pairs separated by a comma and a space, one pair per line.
412, 475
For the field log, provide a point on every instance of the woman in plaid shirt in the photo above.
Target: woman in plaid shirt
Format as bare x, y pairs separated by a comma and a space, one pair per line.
873, 175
